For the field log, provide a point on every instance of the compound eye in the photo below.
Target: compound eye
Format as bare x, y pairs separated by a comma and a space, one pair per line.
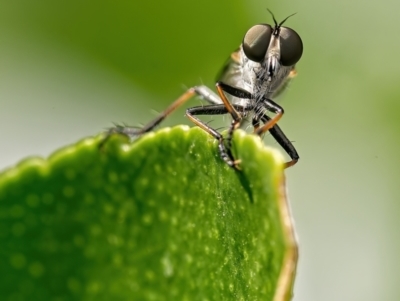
291, 46
256, 42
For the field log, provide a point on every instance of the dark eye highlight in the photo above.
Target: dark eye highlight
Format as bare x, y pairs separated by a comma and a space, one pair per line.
291, 46
256, 42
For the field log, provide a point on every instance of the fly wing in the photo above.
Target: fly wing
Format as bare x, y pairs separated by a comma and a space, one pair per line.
230, 73
285, 83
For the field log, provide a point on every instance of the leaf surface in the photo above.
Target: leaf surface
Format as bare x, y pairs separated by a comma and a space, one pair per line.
163, 218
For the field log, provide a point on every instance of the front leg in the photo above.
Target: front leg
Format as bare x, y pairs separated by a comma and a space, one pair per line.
234, 110
224, 149
283, 141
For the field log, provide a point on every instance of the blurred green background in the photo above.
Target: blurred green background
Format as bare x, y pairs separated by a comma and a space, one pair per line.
68, 69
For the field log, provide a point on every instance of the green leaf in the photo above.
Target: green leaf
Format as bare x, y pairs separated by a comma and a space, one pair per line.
163, 218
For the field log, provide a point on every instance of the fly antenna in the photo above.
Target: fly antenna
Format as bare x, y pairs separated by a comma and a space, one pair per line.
276, 23
273, 17
286, 19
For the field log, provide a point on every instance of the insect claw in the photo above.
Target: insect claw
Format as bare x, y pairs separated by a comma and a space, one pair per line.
236, 164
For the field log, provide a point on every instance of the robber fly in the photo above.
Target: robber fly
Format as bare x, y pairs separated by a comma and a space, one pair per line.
256, 72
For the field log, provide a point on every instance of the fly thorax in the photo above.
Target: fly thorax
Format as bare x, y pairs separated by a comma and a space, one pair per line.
250, 72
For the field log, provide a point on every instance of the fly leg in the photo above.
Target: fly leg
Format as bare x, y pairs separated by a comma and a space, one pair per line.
283, 141
217, 109
132, 132
236, 116
273, 107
